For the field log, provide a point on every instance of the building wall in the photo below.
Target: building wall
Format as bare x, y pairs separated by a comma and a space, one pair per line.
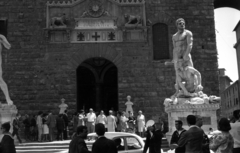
230, 100
39, 74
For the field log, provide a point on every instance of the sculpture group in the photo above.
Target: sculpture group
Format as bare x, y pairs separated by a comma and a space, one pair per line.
188, 79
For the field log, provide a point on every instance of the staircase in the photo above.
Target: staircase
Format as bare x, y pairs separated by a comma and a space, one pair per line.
44, 147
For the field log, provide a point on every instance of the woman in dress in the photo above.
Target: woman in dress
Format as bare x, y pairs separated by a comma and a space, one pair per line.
81, 118
102, 119
111, 122
45, 127
123, 122
141, 123
222, 141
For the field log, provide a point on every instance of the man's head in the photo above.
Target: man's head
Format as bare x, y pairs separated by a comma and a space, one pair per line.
118, 141
102, 112
82, 131
90, 110
62, 100
158, 126
191, 120
110, 112
236, 114
49, 112
100, 129
178, 124
140, 112
199, 121
5, 127
180, 23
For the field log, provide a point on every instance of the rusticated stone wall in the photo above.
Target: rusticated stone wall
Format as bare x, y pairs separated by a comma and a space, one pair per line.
38, 74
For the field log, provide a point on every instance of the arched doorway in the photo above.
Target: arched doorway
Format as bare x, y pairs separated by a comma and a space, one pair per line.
97, 85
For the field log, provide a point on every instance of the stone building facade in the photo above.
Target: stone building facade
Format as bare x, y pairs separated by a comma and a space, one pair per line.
46, 63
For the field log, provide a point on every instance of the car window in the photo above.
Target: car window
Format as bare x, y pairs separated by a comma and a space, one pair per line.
119, 141
133, 143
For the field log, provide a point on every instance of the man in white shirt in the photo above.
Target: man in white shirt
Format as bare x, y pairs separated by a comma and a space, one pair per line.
235, 131
91, 119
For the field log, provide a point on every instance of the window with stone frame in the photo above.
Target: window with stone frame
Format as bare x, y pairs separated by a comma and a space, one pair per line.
160, 41
3, 27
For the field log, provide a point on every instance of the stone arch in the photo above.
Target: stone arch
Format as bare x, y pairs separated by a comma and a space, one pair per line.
230, 3
161, 17
96, 50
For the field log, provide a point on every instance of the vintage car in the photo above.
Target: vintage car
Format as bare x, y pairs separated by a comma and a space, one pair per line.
130, 143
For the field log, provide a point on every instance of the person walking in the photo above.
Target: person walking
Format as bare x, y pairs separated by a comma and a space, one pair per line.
222, 141
78, 145
192, 139
16, 128
7, 142
123, 122
51, 122
33, 128
40, 126
154, 139
141, 123
60, 125
91, 119
103, 144
235, 131
111, 122
175, 137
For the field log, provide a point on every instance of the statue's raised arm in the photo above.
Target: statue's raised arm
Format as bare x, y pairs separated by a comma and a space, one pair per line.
3, 85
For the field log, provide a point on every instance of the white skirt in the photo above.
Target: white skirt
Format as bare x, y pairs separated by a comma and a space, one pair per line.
45, 129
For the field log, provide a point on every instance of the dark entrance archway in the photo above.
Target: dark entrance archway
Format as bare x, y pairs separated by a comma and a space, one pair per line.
97, 85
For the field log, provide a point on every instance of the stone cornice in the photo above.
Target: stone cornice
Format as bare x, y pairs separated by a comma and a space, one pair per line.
74, 2
191, 107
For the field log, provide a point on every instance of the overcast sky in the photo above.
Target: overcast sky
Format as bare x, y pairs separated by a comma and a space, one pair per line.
225, 21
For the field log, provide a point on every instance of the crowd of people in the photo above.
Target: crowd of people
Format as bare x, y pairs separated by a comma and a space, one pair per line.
194, 140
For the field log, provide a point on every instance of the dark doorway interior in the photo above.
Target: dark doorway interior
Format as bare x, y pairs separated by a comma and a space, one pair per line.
97, 85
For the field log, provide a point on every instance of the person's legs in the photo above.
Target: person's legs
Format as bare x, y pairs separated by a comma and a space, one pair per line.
50, 133
40, 130
16, 133
93, 127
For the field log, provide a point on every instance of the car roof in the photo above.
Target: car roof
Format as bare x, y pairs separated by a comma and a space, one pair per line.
112, 135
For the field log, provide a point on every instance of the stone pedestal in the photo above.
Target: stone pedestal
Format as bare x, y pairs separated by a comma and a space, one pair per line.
179, 112
7, 114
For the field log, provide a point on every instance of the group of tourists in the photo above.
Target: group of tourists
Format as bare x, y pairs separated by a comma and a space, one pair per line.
224, 140
114, 122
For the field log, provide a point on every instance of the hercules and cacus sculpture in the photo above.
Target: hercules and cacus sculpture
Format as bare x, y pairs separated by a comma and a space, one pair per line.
188, 80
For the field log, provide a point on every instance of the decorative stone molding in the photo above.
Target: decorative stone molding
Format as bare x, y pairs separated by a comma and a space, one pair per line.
196, 107
74, 2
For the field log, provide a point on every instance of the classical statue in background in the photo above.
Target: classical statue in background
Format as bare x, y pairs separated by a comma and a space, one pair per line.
3, 85
59, 22
132, 20
63, 106
188, 80
129, 105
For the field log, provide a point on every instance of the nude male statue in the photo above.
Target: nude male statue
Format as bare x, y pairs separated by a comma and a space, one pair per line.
182, 43
188, 78
3, 85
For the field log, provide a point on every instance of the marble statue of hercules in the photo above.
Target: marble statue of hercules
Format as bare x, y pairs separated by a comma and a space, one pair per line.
3, 85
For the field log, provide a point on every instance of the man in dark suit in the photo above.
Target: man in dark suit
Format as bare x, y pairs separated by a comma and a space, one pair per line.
175, 137
78, 145
154, 138
65, 118
192, 139
102, 144
51, 122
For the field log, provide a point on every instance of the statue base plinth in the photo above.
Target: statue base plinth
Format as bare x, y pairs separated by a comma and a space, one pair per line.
180, 112
7, 114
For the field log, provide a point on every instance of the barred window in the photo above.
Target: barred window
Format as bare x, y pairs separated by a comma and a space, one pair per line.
160, 41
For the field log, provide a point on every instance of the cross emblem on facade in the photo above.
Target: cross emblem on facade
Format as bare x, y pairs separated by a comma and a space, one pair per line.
96, 36
80, 36
111, 36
